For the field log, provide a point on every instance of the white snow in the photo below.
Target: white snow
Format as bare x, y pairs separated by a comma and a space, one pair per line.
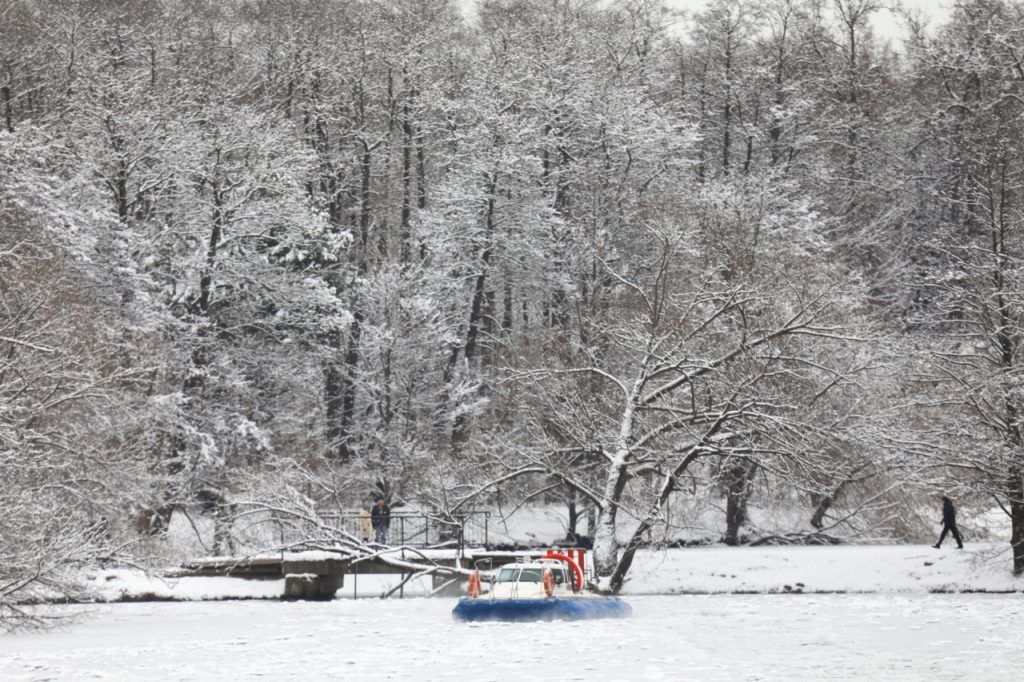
893, 630
531, 524
118, 584
845, 568
131, 585
981, 567
707, 637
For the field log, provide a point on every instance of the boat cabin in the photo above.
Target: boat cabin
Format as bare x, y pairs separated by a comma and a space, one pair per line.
526, 580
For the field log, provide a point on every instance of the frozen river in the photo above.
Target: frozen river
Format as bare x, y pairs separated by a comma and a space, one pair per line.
784, 637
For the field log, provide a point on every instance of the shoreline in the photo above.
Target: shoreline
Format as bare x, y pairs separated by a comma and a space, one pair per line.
160, 599
718, 570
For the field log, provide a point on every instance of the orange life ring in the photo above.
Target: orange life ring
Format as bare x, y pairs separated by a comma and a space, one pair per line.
577, 572
549, 582
475, 588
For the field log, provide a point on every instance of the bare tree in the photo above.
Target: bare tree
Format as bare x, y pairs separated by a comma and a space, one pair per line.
969, 301
690, 369
72, 374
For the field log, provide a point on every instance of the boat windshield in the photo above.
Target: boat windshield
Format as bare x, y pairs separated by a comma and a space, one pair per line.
530, 575
526, 575
507, 575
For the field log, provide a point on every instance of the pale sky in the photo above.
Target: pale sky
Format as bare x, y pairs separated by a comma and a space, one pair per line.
886, 24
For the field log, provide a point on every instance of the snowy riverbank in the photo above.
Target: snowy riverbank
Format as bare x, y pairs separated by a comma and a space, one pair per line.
844, 568
704, 570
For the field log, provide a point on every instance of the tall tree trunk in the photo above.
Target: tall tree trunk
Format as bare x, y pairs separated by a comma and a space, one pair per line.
822, 503
5, 94
606, 543
334, 395
403, 228
739, 479
195, 380
1015, 489
574, 516
702, 126
421, 184
1017, 529
507, 304
668, 486
121, 191
477, 305
727, 110
591, 514
480, 291
348, 383
339, 429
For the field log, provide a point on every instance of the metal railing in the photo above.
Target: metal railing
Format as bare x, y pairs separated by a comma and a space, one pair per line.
419, 529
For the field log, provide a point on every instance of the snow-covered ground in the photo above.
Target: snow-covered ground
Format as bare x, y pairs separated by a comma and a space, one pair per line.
984, 567
981, 567
707, 637
888, 628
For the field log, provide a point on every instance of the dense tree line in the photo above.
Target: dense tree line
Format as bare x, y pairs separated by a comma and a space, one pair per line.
598, 252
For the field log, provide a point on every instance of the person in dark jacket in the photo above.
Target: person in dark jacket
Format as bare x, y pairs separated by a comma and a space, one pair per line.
949, 524
380, 518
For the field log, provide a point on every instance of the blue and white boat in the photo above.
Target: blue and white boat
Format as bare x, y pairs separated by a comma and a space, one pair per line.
549, 588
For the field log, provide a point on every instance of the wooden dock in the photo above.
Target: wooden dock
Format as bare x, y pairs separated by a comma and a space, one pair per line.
317, 575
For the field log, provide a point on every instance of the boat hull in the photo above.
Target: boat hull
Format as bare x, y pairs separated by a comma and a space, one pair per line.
554, 608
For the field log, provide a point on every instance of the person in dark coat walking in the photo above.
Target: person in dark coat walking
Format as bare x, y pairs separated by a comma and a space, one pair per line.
949, 524
380, 518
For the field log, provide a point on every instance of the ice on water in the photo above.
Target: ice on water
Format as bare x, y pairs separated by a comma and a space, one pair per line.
710, 637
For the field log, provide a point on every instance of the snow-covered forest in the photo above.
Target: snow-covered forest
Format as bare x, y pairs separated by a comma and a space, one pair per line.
270, 257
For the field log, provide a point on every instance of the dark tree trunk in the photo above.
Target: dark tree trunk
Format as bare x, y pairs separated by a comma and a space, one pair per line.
407, 141
822, 503
574, 516
626, 560
121, 191
223, 539
480, 292
344, 384
507, 304
195, 382
739, 479
1017, 537
365, 168
385, 400
1016, 490
348, 387
477, 305
5, 93
727, 111
702, 125
206, 279
334, 397
618, 574
421, 185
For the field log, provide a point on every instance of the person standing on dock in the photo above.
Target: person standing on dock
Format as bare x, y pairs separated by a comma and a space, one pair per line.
364, 524
381, 519
949, 524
